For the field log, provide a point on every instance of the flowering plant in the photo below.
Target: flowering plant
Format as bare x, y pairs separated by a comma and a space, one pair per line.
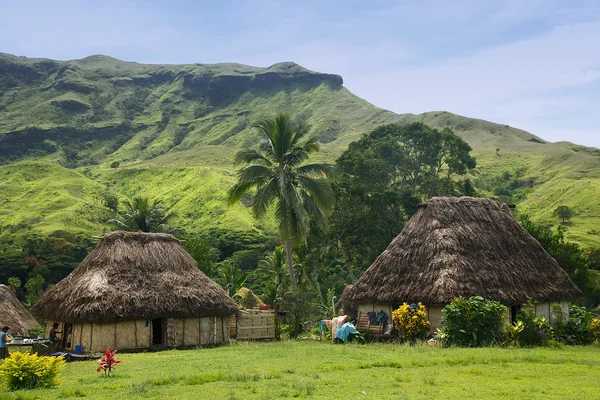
411, 320
28, 371
108, 362
595, 329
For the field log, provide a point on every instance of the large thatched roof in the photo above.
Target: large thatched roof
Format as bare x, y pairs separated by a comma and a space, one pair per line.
14, 315
132, 275
462, 247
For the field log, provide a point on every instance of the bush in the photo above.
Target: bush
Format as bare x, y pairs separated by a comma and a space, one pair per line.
28, 371
411, 321
473, 322
578, 326
530, 330
36, 331
594, 329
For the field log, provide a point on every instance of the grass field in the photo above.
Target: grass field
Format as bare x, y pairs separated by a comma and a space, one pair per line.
308, 369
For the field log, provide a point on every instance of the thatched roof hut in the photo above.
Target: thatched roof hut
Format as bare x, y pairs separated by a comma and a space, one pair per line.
14, 315
462, 247
133, 276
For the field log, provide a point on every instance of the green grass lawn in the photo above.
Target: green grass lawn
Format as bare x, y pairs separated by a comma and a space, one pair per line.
321, 370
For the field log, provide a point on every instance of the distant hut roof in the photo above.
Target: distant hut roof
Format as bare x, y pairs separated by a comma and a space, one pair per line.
462, 247
244, 292
13, 314
134, 275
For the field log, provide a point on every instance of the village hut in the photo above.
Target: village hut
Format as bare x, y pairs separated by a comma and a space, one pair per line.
14, 315
462, 247
137, 290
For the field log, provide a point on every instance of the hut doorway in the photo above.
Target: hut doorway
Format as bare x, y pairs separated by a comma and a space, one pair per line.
514, 311
158, 332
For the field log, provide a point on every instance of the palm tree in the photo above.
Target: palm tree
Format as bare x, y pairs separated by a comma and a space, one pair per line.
230, 277
299, 192
272, 271
143, 215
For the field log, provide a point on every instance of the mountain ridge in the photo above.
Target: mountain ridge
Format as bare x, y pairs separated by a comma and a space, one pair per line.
167, 121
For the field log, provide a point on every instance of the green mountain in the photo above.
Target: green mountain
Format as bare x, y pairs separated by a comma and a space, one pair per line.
174, 129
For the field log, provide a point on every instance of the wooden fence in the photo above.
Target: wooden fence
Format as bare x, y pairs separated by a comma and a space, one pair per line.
253, 324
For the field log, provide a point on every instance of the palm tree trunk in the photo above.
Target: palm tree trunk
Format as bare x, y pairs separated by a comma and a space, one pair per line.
288, 253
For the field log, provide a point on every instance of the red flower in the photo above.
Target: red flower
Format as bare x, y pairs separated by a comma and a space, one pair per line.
108, 362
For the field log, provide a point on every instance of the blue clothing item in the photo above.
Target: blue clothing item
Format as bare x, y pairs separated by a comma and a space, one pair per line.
345, 330
2, 343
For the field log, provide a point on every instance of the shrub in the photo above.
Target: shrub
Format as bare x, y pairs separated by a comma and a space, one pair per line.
473, 322
594, 329
411, 321
27, 371
577, 329
36, 331
530, 330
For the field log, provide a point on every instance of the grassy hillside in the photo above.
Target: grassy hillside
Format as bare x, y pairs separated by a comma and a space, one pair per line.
174, 129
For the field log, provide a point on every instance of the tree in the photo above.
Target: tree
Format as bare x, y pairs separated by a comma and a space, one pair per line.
14, 283
564, 213
271, 271
569, 255
230, 277
205, 255
34, 287
115, 164
300, 193
143, 215
383, 177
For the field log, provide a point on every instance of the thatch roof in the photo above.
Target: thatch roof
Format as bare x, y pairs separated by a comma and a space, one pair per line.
14, 315
134, 275
244, 292
462, 247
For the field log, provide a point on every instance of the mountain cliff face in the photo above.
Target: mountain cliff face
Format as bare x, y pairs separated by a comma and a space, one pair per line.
174, 128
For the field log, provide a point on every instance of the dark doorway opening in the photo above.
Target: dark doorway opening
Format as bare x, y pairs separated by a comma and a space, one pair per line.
157, 332
514, 311
67, 335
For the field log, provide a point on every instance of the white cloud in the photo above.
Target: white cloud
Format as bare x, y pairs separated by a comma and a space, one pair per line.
504, 84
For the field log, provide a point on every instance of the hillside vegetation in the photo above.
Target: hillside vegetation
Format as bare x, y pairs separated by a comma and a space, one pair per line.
174, 129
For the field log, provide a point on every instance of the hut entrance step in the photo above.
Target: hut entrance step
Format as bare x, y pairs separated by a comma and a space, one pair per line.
158, 332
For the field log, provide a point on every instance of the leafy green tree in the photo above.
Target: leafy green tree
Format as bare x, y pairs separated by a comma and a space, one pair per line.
144, 215
111, 201
14, 283
569, 256
594, 257
115, 164
34, 287
565, 213
300, 193
384, 176
202, 251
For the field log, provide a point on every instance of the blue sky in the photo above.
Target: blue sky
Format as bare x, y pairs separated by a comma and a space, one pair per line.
532, 64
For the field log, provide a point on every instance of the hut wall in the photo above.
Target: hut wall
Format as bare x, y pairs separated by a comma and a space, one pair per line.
545, 310
143, 332
97, 337
190, 331
125, 335
387, 308
434, 314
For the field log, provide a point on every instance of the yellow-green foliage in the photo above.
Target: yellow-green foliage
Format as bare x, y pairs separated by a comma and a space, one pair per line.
595, 329
412, 322
28, 371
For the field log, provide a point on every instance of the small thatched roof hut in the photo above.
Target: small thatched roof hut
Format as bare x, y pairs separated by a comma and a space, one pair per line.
14, 315
462, 247
141, 284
